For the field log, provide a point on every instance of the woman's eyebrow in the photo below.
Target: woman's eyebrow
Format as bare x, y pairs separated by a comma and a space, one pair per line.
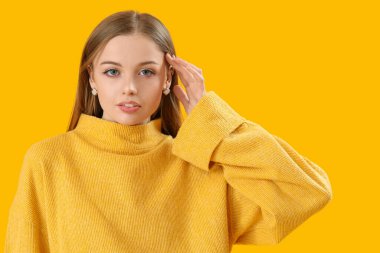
140, 64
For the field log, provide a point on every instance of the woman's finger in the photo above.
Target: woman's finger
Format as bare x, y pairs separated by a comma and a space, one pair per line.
183, 72
199, 70
194, 84
193, 80
197, 75
195, 71
181, 94
190, 77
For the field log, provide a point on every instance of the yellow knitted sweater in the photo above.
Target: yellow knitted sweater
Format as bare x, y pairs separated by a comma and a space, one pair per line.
109, 187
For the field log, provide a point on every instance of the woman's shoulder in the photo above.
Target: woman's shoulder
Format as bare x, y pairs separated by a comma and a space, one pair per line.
50, 146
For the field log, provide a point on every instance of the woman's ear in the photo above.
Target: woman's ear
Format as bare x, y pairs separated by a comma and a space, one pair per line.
90, 73
170, 73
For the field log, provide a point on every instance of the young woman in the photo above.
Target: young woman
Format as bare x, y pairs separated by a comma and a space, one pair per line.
130, 176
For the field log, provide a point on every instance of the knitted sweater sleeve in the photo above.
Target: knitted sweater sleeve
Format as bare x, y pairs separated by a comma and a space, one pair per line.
271, 188
26, 231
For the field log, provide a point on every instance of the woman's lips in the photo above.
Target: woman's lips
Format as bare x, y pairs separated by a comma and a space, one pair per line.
129, 109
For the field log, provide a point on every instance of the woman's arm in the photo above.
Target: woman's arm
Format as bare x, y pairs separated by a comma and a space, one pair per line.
272, 188
26, 230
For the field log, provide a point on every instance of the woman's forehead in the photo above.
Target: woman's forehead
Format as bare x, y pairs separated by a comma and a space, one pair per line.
131, 50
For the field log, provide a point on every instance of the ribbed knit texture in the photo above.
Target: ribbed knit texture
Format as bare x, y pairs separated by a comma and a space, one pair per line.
109, 187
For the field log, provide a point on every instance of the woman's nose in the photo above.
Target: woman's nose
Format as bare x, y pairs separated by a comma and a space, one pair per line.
129, 86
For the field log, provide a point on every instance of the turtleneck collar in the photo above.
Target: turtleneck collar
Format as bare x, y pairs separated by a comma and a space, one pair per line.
120, 138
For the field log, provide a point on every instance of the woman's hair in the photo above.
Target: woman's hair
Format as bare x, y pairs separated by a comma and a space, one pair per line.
126, 23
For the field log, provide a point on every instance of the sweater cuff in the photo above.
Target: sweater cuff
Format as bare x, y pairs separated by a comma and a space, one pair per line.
211, 120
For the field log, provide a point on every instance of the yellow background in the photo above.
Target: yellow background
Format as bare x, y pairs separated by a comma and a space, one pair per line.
305, 70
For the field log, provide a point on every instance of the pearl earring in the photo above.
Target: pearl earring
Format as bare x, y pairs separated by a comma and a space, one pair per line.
93, 91
166, 91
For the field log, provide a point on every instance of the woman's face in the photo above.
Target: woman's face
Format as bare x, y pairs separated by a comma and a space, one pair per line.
129, 78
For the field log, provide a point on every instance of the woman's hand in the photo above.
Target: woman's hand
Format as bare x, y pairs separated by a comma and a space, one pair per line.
192, 79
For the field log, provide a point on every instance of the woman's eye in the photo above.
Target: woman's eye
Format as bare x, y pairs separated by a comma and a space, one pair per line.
152, 73
105, 72
113, 72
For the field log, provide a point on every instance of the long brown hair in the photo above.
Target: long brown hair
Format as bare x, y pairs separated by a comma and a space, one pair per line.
126, 23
